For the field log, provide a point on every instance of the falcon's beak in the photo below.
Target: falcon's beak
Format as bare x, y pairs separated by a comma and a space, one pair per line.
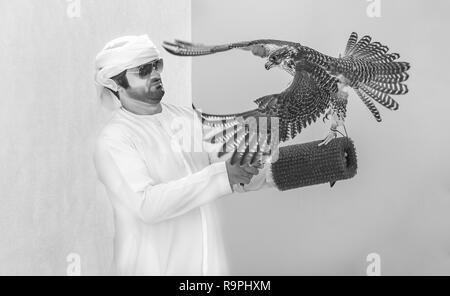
269, 65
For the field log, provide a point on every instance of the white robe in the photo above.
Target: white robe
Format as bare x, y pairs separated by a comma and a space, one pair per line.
163, 198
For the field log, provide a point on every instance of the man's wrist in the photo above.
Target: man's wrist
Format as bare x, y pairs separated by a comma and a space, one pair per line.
222, 166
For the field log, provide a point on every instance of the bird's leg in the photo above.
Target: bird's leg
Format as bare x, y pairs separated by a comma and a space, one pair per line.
337, 113
335, 123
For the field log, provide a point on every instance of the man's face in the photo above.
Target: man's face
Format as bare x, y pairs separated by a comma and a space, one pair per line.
145, 83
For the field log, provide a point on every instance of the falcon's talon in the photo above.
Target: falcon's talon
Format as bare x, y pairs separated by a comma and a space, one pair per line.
331, 135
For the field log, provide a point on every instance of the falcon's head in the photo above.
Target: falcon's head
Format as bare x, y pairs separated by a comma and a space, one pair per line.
279, 56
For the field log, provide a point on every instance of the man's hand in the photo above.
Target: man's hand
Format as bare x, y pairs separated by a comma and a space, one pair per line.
240, 174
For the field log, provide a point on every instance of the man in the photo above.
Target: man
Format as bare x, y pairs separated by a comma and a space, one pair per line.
163, 198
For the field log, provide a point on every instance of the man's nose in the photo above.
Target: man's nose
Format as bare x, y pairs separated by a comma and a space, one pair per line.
155, 76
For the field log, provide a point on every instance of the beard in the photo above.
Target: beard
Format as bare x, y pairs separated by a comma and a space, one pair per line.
156, 93
153, 95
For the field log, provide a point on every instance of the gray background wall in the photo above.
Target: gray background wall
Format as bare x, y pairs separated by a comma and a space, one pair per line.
398, 205
51, 202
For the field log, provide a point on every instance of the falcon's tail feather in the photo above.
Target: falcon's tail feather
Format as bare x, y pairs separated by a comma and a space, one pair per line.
374, 73
369, 103
380, 97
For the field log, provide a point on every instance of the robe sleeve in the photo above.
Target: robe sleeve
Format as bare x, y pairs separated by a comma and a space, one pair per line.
125, 175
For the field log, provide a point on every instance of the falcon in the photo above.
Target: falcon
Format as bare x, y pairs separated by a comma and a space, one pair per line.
317, 89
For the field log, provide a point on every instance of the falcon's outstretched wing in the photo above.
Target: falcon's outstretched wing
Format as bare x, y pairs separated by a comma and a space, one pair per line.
263, 47
251, 135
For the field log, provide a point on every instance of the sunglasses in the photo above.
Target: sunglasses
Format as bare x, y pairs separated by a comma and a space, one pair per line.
147, 69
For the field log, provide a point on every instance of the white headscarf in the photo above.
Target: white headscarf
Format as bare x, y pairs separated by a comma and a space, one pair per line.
118, 55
